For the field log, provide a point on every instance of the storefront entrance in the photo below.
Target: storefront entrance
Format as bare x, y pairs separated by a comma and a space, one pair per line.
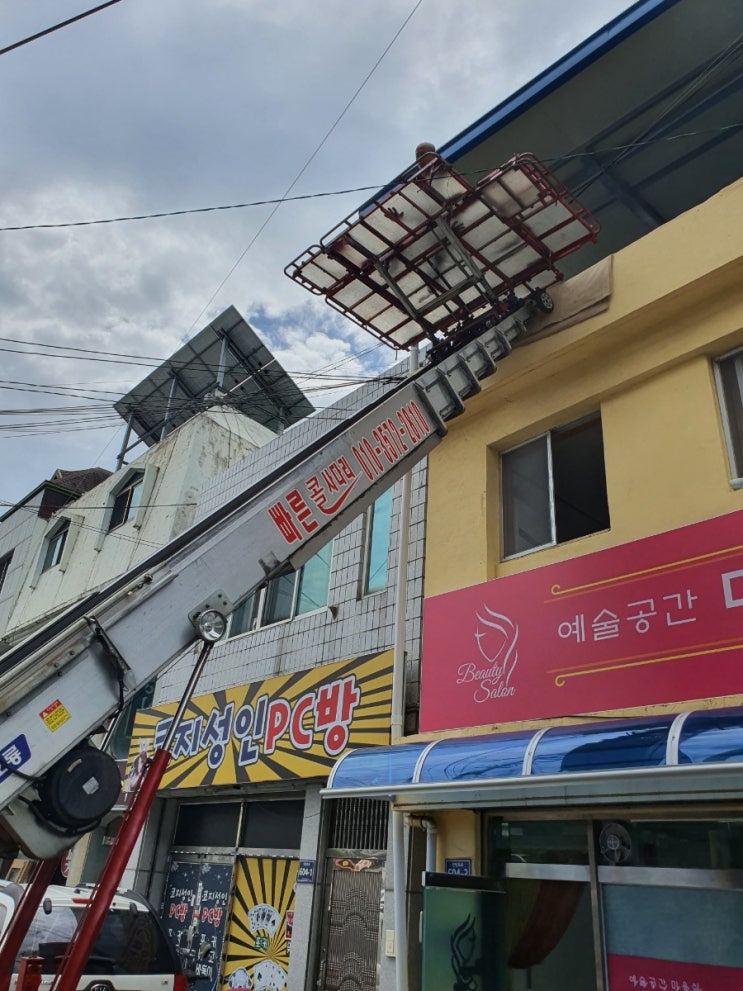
606, 905
259, 935
350, 946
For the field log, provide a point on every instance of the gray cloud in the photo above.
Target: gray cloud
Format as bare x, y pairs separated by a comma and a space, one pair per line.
176, 104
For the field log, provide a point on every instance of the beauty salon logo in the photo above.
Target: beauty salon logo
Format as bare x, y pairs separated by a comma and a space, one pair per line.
495, 639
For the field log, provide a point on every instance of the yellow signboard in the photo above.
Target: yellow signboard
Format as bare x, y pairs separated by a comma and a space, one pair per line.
292, 726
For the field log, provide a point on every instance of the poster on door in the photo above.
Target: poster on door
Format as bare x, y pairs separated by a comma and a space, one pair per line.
194, 912
259, 936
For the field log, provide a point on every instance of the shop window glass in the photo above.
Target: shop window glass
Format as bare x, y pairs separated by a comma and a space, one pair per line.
675, 937
701, 845
212, 824
553, 488
273, 825
536, 842
462, 934
547, 937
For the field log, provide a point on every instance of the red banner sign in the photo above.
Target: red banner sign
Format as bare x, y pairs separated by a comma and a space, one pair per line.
656, 620
646, 974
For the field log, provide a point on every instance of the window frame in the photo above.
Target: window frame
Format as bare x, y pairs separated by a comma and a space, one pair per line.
547, 436
5, 562
123, 495
369, 538
735, 463
260, 597
149, 477
71, 523
54, 545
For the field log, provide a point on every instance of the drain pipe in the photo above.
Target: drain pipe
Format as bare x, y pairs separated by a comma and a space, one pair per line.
430, 827
397, 722
431, 830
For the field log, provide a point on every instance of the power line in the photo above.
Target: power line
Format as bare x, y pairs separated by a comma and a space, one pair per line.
56, 27
472, 174
307, 164
201, 209
323, 374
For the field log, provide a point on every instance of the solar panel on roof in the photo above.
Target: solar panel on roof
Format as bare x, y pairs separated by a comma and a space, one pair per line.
228, 348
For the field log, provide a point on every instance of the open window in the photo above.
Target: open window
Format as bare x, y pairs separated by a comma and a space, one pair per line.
553, 488
729, 374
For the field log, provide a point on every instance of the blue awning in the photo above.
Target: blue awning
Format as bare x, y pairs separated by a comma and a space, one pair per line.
697, 755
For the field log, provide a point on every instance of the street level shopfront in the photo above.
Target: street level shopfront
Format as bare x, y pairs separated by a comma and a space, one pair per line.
247, 854
591, 838
601, 856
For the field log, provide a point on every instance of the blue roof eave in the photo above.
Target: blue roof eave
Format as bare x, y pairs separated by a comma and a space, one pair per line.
593, 48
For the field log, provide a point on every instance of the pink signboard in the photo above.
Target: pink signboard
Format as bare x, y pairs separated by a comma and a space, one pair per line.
646, 974
656, 620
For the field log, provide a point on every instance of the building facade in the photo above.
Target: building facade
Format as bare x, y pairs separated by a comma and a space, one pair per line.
577, 774
304, 673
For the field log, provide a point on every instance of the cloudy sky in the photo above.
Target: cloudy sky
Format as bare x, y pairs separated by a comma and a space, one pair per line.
153, 106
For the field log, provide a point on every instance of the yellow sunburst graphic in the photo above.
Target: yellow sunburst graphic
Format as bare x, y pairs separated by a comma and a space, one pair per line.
258, 942
293, 726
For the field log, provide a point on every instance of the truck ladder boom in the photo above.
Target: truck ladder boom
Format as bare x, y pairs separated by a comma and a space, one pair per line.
60, 687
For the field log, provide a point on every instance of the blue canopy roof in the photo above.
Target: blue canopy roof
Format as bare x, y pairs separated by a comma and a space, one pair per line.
447, 770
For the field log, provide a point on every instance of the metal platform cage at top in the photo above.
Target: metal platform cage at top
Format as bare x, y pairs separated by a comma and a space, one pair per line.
434, 254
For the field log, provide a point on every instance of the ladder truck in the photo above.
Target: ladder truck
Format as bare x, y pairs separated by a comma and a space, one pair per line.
433, 258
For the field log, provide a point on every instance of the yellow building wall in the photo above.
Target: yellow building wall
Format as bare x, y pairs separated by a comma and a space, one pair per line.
457, 836
647, 364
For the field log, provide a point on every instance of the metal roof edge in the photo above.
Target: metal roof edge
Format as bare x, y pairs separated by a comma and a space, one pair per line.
46, 485
569, 65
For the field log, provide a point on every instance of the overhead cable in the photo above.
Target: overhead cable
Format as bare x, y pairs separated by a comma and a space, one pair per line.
56, 27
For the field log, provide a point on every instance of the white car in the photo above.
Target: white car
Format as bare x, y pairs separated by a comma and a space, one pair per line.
132, 952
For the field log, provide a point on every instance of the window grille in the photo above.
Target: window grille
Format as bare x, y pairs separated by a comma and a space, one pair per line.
359, 824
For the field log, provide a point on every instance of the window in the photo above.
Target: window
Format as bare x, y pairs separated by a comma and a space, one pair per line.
55, 545
285, 597
554, 488
207, 824
5, 567
377, 544
730, 386
120, 744
273, 825
127, 501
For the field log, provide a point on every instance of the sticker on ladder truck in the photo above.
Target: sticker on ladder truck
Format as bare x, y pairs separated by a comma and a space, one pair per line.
54, 715
13, 755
